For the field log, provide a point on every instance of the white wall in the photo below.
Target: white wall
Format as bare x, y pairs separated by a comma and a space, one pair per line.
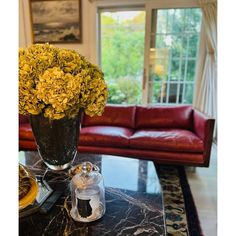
25, 33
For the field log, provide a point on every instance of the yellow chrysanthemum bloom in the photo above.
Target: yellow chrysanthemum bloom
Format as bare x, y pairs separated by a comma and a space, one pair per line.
58, 83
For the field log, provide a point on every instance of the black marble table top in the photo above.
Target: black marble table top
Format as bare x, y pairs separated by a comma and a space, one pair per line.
134, 204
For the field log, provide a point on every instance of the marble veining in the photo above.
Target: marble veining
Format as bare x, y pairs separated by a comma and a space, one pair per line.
135, 210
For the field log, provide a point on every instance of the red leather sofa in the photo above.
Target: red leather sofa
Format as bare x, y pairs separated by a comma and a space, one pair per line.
171, 135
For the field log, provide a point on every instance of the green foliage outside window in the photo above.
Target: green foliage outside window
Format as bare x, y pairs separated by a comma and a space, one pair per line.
122, 50
122, 54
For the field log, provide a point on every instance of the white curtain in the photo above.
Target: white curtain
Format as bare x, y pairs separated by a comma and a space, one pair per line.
205, 96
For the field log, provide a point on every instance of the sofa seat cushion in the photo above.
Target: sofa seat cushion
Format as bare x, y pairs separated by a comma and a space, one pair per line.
25, 132
105, 136
177, 140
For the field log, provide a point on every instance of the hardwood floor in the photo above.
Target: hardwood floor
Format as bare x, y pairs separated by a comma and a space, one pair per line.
203, 183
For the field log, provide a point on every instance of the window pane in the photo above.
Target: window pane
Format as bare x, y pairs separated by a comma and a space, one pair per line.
184, 45
181, 87
173, 93
177, 49
190, 70
188, 96
178, 20
177, 32
122, 54
193, 20
175, 70
183, 67
158, 64
193, 45
163, 22
157, 91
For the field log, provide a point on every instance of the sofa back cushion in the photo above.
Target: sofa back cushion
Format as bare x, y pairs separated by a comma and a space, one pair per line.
114, 115
164, 117
23, 119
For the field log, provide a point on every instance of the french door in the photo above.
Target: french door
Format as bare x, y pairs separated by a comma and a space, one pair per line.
149, 54
171, 53
122, 34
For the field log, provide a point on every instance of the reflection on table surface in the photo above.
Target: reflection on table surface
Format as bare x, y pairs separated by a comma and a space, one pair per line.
119, 172
134, 204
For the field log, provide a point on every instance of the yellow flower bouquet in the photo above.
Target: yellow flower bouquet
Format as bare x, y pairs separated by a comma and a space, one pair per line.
59, 83
55, 87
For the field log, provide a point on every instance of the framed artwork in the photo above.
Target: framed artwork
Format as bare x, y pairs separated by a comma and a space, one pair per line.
56, 21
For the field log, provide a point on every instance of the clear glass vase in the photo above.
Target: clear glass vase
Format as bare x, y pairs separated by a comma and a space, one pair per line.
56, 140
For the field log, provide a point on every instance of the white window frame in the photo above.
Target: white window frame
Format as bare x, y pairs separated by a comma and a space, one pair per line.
148, 6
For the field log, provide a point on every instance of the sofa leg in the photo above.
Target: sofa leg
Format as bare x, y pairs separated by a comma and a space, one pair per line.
191, 169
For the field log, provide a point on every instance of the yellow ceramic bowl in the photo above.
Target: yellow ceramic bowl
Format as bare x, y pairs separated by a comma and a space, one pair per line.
29, 198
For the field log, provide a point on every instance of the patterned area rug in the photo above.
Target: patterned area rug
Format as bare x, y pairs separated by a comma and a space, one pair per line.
181, 214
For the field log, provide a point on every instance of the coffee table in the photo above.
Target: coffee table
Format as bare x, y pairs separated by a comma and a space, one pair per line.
134, 204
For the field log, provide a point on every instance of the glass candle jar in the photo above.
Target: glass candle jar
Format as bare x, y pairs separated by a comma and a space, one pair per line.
87, 193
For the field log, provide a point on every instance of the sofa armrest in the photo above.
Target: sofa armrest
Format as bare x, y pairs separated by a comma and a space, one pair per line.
203, 126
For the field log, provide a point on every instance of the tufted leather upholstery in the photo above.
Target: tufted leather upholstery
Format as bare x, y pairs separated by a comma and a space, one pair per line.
171, 135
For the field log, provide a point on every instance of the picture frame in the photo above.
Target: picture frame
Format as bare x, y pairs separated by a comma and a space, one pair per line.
56, 21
